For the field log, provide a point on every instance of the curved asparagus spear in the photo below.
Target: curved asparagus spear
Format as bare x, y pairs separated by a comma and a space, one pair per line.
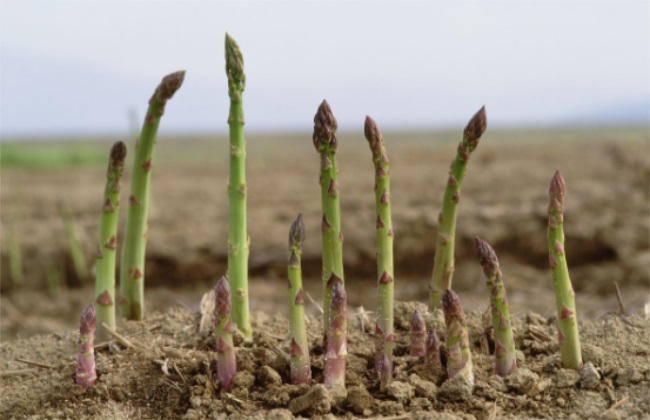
418, 335
568, 336
135, 234
432, 356
226, 362
325, 141
336, 353
459, 357
443, 268
385, 338
105, 265
504, 352
86, 375
238, 240
299, 364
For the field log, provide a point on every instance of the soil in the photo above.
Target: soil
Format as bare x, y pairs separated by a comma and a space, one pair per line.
503, 201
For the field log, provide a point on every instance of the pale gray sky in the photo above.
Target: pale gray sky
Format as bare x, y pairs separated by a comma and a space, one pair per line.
77, 67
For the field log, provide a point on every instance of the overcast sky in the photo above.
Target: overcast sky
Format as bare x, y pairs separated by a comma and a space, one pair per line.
79, 67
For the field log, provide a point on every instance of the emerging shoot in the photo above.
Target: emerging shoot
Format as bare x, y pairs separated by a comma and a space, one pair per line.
86, 375
223, 329
418, 335
459, 357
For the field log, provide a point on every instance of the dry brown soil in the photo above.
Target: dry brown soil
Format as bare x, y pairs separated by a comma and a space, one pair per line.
504, 201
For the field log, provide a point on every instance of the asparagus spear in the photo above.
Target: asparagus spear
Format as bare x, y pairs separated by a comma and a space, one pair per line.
86, 375
135, 235
105, 265
504, 352
443, 268
459, 357
568, 336
385, 338
15, 255
336, 353
226, 362
432, 355
300, 366
76, 250
238, 240
325, 141
418, 335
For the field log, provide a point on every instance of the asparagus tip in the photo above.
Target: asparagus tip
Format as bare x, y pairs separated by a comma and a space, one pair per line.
324, 127
417, 320
222, 297
451, 302
486, 255
87, 322
118, 153
297, 232
234, 60
476, 127
169, 85
557, 188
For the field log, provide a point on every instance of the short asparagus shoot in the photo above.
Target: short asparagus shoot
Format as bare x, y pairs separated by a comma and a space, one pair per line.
504, 347
336, 352
418, 335
568, 336
238, 240
432, 355
106, 247
135, 235
325, 142
86, 375
300, 368
443, 268
385, 337
223, 329
459, 357
77, 254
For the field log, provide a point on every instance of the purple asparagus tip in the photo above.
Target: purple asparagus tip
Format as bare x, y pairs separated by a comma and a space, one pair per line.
557, 189
418, 334
432, 356
86, 375
475, 128
297, 232
486, 256
324, 127
223, 304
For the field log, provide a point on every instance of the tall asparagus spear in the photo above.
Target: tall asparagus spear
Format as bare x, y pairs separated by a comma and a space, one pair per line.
385, 339
238, 240
443, 268
504, 352
86, 375
459, 357
336, 352
300, 366
135, 234
564, 296
77, 254
105, 266
325, 141
418, 335
226, 362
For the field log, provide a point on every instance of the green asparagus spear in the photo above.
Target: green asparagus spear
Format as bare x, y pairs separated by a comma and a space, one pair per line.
504, 352
299, 364
135, 234
238, 240
336, 352
459, 357
385, 338
76, 250
568, 336
325, 141
105, 265
226, 361
443, 268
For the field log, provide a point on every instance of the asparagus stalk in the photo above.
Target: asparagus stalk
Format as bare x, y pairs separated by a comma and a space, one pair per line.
76, 250
226, 362
53, 279
299, 364
432, 355
105, 265
135, 234
443, 268
86, 375
325, 141
459, 357
238, 240
504, 352
385, 337
336, 353
15, 254
568, 336
418, 335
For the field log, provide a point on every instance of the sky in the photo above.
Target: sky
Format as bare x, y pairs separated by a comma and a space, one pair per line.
76, 68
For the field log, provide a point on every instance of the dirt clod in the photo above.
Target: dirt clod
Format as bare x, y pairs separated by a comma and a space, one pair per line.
268, 377
359, 400
455, 389
567, 378
316, 401
589, 376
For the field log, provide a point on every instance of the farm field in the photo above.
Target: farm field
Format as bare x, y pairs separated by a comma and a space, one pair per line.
504, 201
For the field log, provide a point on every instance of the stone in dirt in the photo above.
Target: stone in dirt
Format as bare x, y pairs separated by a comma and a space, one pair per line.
359, 399
590, 378
268, 377
401, 391
425, 389
455, 389
316, 401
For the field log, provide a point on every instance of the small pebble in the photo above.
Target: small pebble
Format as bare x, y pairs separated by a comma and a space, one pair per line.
455, 389
590, 378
